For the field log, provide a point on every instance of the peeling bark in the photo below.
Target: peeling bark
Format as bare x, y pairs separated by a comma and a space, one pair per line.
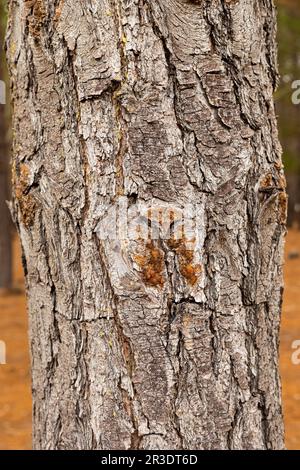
150, 344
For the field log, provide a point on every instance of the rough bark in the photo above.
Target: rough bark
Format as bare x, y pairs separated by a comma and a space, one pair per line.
150, 344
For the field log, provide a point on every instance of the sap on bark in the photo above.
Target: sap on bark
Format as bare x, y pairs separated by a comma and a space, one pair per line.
151, 264
188, 269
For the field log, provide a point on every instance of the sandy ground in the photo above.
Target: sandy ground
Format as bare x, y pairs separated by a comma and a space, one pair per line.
15, 401
290, 331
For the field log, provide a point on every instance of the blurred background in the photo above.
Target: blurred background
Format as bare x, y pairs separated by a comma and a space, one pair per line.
15, 402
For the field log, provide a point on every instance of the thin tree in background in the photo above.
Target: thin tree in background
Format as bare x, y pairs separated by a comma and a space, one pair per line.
5, 218
289, 112
150, 342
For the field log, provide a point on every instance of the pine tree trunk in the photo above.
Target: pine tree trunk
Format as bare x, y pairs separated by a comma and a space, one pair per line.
164, 343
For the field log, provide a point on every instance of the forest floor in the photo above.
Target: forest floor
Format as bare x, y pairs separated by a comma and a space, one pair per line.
15, 401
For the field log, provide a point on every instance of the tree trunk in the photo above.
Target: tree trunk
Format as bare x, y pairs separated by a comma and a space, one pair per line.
6, 224
165, 107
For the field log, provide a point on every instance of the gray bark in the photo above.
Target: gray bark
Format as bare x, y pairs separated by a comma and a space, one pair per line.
150, 344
